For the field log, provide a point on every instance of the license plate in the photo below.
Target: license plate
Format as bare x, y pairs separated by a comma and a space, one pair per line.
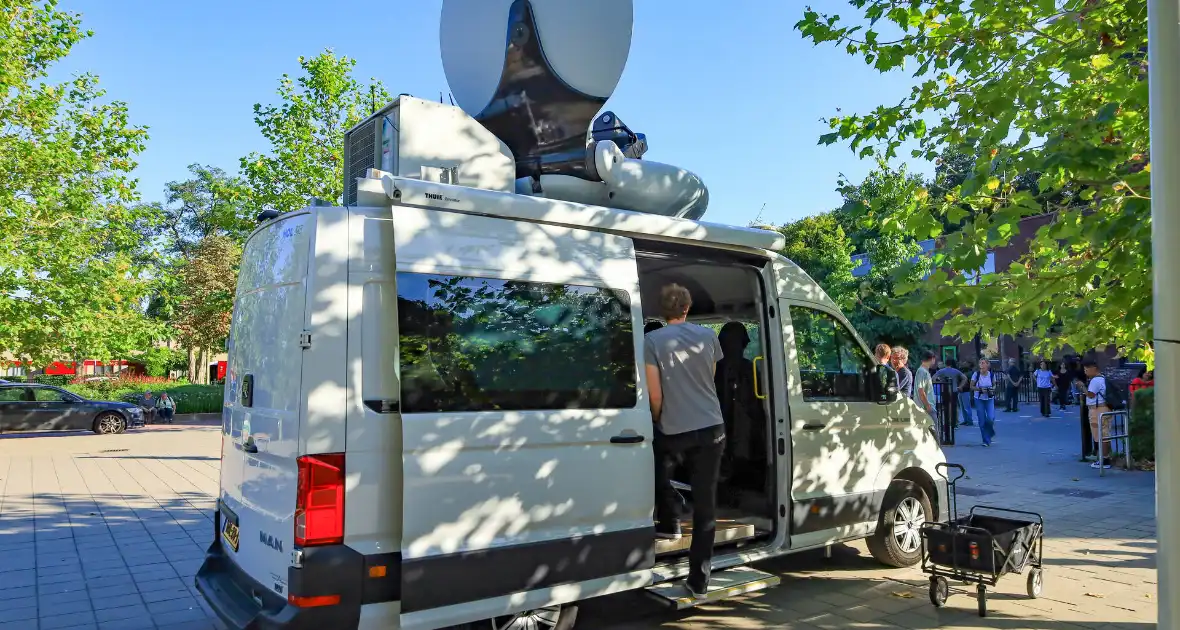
229, 527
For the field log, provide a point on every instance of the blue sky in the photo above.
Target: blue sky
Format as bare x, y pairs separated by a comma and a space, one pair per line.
735, 95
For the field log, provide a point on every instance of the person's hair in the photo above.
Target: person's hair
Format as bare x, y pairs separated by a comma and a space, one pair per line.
1045, 363
1089, 363
675, 301
901, 353
1142, 372
928, 356
883, 351
650, 326
988, 362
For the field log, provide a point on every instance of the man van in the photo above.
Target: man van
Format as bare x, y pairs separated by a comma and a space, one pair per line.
436, 414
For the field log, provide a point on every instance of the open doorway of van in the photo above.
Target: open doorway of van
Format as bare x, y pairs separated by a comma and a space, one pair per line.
728, 296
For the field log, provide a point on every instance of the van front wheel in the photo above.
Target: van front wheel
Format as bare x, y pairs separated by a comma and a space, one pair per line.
898, 539
550, 618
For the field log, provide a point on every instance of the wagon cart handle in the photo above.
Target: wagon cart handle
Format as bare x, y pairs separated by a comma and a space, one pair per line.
942, 467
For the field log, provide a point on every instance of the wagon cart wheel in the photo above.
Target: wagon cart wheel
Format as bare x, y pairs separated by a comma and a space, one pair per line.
939, 591
981, 595
1036, 583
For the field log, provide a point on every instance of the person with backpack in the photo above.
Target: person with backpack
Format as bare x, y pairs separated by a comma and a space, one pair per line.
983, 386
1099, 401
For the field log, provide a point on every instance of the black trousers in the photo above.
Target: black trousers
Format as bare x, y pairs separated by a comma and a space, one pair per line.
1044, 393
1063, 395
1013, 393
701, 450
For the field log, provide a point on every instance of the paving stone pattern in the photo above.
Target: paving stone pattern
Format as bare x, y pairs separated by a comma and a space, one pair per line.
107, 532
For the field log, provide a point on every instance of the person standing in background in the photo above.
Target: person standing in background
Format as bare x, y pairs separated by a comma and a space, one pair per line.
959, 386
983, 384
905, 378
1096, 399
1064, 385
1044, 388
924, 384
1015, 380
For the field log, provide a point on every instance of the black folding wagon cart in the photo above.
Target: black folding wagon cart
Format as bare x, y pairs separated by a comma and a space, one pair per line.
981, 547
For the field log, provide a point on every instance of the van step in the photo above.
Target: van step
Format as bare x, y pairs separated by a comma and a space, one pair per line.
722, 585
727, 532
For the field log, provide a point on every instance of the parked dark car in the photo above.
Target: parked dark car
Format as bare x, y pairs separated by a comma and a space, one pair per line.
33, 407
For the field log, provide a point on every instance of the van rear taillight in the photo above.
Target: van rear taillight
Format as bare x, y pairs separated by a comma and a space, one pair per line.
319, 500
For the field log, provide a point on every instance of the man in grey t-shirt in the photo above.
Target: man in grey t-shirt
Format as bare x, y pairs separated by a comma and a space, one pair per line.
680, 360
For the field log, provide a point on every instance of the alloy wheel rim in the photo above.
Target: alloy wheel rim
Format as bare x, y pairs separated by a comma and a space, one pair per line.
907, 524
538, 619
109, 424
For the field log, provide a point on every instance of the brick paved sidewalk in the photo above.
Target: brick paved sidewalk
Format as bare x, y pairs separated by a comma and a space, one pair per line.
107, 531
1099, 553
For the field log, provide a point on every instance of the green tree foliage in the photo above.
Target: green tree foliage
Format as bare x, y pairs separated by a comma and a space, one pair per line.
306, 133
823, 245
209, 203
71, 281
820, 246
1056, 88
208, 280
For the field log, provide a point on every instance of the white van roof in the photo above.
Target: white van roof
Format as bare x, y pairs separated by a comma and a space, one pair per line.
414, 192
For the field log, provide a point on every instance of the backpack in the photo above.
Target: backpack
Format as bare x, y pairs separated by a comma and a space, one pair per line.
1114, 397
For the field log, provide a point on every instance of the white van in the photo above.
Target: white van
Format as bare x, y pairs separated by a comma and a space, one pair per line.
435, 413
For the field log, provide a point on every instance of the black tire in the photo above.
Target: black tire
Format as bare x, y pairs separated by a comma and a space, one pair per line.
1036, 583
939, 591
564, 619
981, 595
898, 544
109, 422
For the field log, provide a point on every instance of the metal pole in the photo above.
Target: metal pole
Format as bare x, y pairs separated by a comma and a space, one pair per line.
1163, 36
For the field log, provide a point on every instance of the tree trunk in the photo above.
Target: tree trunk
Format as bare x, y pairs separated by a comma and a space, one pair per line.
204, 366
192, 364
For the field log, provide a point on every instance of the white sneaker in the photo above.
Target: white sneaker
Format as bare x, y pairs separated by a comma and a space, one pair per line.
1097, 465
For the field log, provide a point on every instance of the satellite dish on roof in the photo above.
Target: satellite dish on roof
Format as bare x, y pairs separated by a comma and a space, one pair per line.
585, 43
536, 72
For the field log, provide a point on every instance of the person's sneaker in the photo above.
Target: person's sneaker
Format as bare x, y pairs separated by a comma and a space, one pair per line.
985, 445
670, 531
1097, 465
698, 595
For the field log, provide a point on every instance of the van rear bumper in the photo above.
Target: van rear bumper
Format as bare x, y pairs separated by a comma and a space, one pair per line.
243, 603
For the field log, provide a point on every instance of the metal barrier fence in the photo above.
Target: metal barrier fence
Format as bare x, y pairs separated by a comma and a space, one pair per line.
1119, 437
946, 412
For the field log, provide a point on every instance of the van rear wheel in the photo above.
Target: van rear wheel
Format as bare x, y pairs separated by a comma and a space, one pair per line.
550, 618
898, 539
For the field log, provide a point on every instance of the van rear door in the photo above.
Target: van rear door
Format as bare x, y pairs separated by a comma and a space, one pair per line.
262, 402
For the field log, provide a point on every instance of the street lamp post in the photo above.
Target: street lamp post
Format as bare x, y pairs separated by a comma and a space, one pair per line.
1163, 37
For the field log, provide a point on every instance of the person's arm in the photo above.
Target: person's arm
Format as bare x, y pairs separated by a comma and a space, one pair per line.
655, 392
922, 398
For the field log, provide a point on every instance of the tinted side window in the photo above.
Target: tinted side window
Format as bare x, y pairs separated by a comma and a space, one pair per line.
832, 365
12, 394
44, 394
478, 344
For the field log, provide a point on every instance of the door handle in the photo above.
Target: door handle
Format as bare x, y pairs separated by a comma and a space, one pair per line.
813, 427
626, 439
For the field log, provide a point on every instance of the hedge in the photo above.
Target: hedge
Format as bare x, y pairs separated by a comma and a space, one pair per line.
1142, 427
189, 398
